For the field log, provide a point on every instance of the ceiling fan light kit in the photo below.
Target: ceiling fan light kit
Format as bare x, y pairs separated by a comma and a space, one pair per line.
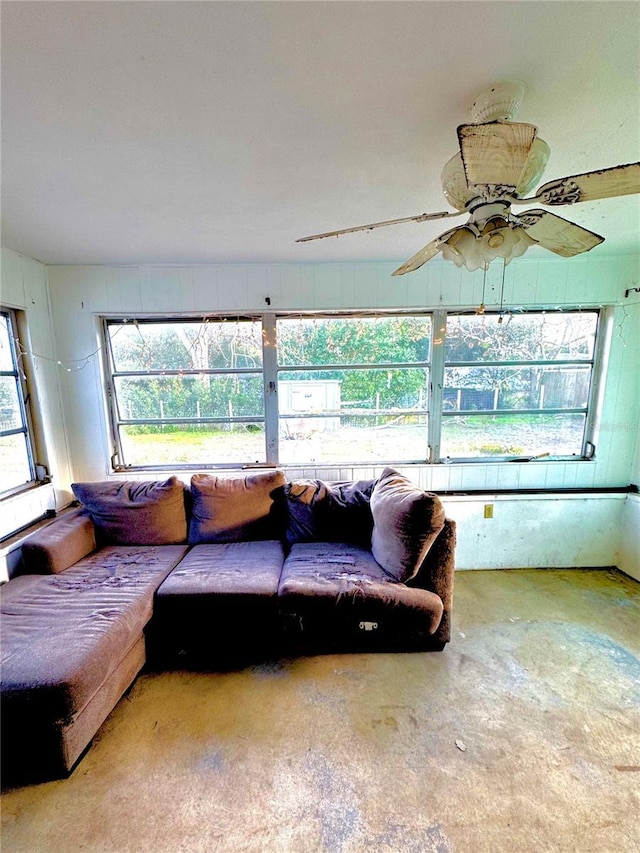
499, 163
475, 249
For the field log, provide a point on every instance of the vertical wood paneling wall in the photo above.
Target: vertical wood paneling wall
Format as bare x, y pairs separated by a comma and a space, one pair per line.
80, 294
24, 286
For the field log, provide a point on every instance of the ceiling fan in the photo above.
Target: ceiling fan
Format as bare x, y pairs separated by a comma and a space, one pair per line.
499, 163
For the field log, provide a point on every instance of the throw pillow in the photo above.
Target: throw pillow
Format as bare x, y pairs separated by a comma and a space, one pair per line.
132, 513
329, 512
406, 521
235, 509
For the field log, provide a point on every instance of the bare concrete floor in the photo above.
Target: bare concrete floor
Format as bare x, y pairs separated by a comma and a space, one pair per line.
523, 735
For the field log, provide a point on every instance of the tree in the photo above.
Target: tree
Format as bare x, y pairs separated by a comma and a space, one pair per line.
523, 337
163, 348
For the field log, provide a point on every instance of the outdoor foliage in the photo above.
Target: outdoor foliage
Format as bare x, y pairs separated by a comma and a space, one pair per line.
230, 345
361, 341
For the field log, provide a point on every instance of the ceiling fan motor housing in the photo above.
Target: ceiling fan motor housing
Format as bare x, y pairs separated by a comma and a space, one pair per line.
459, 194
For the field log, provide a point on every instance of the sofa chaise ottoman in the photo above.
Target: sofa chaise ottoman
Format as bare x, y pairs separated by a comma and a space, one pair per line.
72, 643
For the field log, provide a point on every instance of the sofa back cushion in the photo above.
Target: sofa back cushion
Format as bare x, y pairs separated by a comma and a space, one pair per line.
329, 512
136, 513
406, 521
235, 509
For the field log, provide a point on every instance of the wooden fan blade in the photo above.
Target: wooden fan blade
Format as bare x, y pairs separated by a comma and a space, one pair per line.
557, 234
425, 254
605, 183
495, 152
420, 258
421, 217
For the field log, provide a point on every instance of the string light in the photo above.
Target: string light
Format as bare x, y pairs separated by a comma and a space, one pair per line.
23, 352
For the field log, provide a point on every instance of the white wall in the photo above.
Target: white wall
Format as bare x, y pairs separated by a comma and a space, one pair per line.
23, 285
519, 534
628, 558
635, 467
547, 530
628, 554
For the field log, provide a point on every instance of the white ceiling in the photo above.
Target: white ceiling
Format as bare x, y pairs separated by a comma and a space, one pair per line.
193, 132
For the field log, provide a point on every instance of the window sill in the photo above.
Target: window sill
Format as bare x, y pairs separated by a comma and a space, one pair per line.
24, 508
24, 489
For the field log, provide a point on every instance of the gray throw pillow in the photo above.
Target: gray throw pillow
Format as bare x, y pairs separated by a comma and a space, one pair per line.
236, 509
406, 521
135, 513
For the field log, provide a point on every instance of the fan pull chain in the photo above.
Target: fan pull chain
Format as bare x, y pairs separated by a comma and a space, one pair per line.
481, 308
501, 316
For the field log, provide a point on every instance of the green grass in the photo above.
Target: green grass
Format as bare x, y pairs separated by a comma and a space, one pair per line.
469, 437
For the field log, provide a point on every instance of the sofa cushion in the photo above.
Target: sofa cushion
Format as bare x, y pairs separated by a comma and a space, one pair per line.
234, 509
136, 513
329, 512
329, 569
226, 569
406, 521
330, 587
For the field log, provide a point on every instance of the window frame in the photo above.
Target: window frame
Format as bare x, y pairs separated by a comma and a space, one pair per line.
21, 374
436, 365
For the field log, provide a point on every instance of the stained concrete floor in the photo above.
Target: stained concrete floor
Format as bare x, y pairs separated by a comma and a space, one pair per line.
523, 735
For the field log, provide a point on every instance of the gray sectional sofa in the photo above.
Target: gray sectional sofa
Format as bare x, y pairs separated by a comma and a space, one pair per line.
209, 576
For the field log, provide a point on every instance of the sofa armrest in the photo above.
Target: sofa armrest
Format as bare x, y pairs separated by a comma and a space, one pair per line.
436, 574
58, 546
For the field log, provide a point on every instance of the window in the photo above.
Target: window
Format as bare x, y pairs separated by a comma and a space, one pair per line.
350, 389
517, 385
353, 389
18, 469
187, 392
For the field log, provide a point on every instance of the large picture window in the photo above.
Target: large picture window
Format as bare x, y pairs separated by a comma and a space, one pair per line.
18, 469
350, 389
